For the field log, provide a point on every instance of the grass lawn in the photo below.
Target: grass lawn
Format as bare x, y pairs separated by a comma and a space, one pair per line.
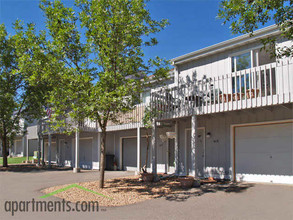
14, 160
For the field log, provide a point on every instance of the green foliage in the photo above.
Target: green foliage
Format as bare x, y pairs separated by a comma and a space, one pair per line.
246, 16
72, 74
22, 90
104, 74
116, 30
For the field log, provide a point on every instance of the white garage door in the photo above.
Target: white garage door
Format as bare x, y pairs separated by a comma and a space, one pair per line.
129, 154
53, 151
264, 153
85, 153
18, 147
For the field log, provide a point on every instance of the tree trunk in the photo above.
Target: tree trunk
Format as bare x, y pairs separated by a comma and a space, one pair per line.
102, 158
4, 151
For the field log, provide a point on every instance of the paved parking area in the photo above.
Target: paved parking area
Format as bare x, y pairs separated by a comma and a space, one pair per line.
257, 201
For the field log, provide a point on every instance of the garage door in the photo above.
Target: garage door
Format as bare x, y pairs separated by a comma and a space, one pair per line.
53, 151
18, 147
263, 153
85, 153
129, 153
65, 153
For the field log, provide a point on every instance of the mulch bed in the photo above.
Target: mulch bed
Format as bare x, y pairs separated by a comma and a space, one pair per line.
129, 190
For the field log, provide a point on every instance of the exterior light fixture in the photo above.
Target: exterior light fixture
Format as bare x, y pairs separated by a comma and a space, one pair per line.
171, 134
163, 137
208, 135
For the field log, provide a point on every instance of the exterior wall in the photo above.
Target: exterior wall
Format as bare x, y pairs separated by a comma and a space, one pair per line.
69, 143
114, 145
33, 146
32, 132
217, 147
218, 63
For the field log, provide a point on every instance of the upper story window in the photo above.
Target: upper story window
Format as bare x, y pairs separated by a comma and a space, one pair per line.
146, 97
251, 58
241, 62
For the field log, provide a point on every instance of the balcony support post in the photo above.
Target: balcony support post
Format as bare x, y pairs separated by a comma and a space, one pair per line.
39, 142
43, 150
154, 148
194, 146
27, 149
177, 147
99, 149
49, 148
23, 142
138, 151
76, 168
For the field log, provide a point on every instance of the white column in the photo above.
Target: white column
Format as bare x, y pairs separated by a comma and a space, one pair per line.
43, 150
27, 149
176, 148
39, 142
49, 148
138, 150
194, 144
167, 156
57, 151
76, 167
99, 148
23, 142
154, 148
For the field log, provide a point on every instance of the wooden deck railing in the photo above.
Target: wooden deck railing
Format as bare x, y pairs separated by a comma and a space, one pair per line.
133, 116
265, 85
126, 120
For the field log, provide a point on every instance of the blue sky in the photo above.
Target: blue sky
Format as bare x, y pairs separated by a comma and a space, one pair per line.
193, 23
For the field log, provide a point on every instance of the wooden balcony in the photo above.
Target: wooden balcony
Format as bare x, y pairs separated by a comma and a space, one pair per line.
260, 86
86, 125
127, 120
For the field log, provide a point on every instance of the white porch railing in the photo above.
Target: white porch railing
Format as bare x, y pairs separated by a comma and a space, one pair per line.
265, 85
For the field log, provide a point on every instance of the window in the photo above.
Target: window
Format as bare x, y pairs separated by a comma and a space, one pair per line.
241, 62
250, 59
262, 57
146, 97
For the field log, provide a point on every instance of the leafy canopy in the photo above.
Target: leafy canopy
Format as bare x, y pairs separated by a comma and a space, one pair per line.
22, 86
100, 46
246, 16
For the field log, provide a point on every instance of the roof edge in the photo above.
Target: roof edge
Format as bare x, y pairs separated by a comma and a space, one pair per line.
261, 33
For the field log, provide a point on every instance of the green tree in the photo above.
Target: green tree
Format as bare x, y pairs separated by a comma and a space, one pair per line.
22, 93
104, 70
246, 16
72, 78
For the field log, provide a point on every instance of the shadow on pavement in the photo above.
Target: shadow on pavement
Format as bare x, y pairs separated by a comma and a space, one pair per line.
172, 191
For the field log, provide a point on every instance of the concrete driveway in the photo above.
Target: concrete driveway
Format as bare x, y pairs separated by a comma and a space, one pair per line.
255, 201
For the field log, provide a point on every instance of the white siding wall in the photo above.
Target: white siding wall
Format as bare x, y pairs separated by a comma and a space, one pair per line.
217, 64
217, 158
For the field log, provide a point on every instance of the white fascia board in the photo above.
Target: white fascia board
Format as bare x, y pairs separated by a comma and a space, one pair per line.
272, 30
